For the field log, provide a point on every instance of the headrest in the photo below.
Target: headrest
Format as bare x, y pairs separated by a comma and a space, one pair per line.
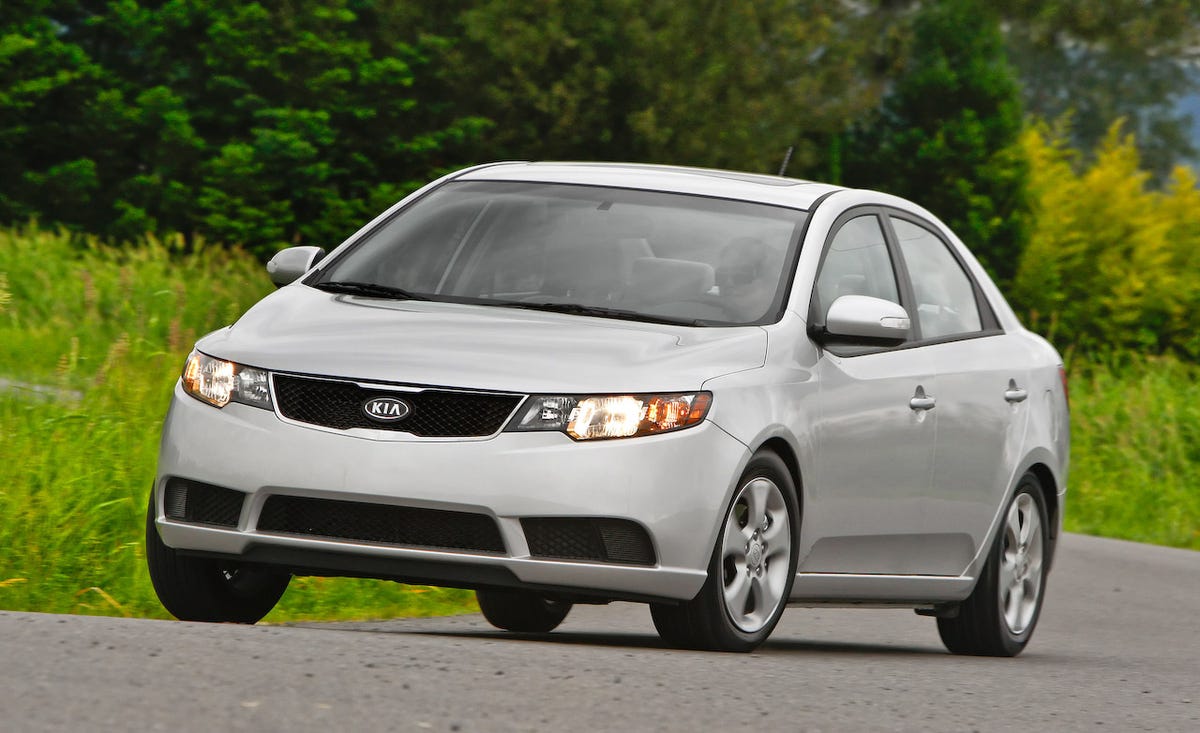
657, 278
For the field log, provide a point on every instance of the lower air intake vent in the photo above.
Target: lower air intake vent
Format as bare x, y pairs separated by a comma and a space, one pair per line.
380, 523
599, 540
192, 501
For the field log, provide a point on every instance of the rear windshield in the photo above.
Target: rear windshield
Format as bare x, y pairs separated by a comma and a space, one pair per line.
662, 255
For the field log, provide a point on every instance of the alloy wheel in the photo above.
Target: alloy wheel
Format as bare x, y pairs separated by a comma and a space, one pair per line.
1020, 573
755, 556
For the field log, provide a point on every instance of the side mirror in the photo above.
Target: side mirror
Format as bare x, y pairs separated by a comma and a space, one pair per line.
868, 320
288, 265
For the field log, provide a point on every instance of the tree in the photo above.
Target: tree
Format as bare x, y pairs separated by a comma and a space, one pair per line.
251, 123
46, 86
1100, 62
712, 83
943, 135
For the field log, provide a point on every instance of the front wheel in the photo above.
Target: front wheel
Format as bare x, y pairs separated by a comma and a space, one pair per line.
998, 618
202, 589
751, 571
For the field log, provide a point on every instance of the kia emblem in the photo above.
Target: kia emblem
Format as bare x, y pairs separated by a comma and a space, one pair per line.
386, 409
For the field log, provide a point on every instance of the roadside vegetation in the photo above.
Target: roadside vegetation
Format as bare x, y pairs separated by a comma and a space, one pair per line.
91, 342
1135, 452
290, 125
92, 339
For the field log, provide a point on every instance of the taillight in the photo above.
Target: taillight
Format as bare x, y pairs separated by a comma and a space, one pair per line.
1062, 377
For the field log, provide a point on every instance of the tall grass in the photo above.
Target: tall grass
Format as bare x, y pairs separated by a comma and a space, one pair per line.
91, 341
1135, 454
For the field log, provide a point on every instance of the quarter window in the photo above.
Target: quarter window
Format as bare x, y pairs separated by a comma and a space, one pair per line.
946, 304
857, 263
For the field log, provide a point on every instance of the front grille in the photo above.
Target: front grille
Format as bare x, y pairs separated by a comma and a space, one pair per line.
380, 523
435, 413
601, 540
192, 501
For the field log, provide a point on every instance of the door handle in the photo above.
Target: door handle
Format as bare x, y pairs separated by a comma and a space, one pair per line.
921, 401
1014, 394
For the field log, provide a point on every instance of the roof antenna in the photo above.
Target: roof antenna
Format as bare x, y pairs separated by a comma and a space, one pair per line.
787, 158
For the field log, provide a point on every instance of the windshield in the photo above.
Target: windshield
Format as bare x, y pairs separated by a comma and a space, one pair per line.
594, 251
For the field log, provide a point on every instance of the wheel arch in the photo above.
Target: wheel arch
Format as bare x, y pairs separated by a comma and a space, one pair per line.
1049, 487
1038, 462
778, 442
787, 454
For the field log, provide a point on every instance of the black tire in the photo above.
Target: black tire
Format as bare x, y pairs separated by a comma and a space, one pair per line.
518, 610
202, 589
705, 622
982, 626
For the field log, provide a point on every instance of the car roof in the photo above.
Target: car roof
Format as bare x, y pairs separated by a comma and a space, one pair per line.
777, 190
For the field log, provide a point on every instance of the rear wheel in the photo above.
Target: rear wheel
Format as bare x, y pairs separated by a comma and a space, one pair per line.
751, 571
517, 610
999, 616
202, 589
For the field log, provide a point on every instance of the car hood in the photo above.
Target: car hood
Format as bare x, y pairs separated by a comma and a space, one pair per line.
302, 330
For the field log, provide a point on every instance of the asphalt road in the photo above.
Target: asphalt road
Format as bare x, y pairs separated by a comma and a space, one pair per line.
1118, 648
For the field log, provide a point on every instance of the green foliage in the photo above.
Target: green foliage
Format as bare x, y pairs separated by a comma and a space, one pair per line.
1104, 61
1110, 264
91, 344
944, 133
270, 123
1135, 463
252, 123
44, 81
1098, 62
714, 84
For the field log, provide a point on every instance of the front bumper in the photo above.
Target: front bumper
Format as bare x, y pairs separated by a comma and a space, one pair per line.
675, 485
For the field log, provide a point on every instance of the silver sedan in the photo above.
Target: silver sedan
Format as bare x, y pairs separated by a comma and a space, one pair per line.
714, 392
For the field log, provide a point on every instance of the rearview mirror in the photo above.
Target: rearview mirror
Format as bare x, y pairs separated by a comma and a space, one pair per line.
861, 318
289, 264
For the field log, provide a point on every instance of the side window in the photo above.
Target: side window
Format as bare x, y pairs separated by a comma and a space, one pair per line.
857, 263
945, 297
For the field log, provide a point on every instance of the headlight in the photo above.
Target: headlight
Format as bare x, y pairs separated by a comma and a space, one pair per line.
612, 416
219, 382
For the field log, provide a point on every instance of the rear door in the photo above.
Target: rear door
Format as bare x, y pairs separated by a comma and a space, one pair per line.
982, 388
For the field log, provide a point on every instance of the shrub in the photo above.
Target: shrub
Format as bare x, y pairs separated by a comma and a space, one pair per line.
1110, 264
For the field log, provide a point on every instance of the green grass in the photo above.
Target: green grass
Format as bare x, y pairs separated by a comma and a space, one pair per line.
107, 330
1135, 453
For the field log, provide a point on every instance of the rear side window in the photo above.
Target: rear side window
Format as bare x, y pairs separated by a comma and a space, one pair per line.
946, 304
857, 263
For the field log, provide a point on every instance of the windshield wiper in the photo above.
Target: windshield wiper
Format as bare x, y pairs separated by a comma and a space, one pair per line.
374, 290
599, 312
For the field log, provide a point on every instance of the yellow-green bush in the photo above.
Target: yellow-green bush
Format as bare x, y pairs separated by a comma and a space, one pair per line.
1110, 263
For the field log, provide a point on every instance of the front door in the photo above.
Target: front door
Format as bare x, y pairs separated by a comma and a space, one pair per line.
874, 433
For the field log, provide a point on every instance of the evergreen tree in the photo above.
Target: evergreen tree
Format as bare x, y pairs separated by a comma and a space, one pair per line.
250, 123
945, 131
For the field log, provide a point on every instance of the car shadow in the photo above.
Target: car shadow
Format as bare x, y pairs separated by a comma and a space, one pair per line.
652, 641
